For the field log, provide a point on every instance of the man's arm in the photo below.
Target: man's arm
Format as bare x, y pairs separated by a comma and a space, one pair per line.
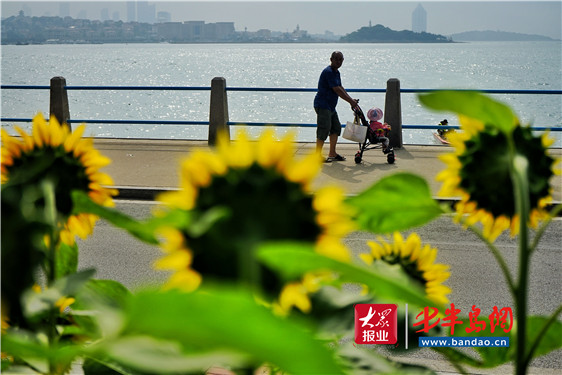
345, 96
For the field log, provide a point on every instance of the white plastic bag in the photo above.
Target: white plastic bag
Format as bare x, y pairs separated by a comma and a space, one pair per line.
355, 132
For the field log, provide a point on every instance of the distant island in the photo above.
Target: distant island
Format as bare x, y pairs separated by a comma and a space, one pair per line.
497, 36
382, 34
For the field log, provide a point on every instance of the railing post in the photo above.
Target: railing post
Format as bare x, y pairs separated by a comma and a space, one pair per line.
59, 101
393, 111
218, 114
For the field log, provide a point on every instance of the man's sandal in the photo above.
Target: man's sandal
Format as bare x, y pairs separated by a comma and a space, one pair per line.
338, 157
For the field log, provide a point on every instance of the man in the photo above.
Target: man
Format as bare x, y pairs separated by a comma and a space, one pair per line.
325, 101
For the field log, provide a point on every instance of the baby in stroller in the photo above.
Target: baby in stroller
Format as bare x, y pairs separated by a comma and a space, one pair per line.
379, 131
376, 133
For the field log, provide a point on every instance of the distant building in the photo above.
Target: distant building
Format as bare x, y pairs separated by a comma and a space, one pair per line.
328, 35
298, 33
170, 31
195, 31
131, 11
419, 20
146, 13
104, 14
221, 31
163, 17
263, 34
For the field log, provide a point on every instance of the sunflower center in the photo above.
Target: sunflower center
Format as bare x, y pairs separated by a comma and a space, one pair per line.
409, 266
262, 206
485, 172
46, 164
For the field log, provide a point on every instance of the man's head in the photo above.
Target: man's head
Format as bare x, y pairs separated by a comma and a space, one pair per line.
336, 60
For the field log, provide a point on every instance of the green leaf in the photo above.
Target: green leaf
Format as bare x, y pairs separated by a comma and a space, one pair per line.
397, 202
383, 280
97, 307
66, 260
97, 366
82, 203
36, 304
160, 356
228, 319
34, 350
474, 105
551, 339
70, 284
366, 361
201, 222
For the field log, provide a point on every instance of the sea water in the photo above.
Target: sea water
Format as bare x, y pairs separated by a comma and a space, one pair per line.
475, 65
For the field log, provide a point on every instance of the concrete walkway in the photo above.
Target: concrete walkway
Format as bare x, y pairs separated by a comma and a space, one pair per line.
140, 168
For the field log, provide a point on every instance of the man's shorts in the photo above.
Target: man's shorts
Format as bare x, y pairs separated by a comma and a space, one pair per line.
327, 123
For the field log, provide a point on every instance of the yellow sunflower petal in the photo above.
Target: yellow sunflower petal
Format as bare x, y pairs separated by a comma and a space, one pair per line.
64, 302
367, 258
176, 260
40, 131
294, 294
187, 280
238, 153
74, 138
470, 125
412, 242
332, 248
377, 251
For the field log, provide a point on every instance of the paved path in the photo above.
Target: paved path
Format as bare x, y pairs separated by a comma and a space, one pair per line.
153, 164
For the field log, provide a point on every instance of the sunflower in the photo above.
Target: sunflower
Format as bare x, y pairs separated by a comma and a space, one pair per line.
265, 192
52, 152
479, 172
417, 261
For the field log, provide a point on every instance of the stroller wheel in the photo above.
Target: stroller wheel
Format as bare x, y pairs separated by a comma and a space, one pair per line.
390, 158
358, 157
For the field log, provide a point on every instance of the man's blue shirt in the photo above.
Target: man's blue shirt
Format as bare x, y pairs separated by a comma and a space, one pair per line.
326, 97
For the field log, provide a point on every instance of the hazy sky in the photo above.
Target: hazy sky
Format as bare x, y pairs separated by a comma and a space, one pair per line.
339, 17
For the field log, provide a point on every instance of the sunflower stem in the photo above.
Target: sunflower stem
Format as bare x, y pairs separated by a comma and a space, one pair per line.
248, 266
48, 188
499, 258
51, 218
522, 201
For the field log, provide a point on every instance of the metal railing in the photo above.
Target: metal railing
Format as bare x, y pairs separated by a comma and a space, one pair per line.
556, 128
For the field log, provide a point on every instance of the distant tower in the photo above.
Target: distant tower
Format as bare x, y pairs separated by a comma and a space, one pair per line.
131, 11
419, 20
146, 13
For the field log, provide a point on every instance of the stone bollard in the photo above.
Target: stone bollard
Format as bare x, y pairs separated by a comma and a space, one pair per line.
218, 113
393, 111
59, 101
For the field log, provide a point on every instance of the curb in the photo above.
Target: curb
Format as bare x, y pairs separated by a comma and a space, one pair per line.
147, 193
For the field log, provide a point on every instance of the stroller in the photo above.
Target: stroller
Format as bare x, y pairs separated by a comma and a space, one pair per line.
372, 140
